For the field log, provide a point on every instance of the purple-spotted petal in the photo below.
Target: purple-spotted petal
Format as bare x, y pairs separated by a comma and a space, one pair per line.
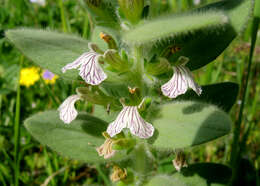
89, 68
180, 82
67, 109
130, 118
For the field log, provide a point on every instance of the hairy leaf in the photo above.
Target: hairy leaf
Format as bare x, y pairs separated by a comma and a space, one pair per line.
50, 50
172, 26
202, 174
221, 94
188, 123
78, 140
198, 38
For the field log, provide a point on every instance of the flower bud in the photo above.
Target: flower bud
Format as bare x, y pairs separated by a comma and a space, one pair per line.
132, 9
182, 60
159, 67
109, 40
118, 174
96, 96
179, 161
106, 149
114, 59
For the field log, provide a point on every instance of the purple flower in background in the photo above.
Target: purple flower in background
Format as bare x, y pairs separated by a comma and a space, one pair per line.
49, 77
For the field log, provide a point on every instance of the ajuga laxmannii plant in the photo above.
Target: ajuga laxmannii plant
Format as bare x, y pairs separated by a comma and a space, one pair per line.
136, 71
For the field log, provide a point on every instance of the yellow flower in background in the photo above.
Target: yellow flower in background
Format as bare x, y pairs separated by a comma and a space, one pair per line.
28, 76
49, 77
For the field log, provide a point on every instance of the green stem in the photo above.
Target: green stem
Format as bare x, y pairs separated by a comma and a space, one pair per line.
235, 146
49, 165
63, 18
1, 99
102, 175
17, 128
140, 163
85, 33
138, 70
53, 97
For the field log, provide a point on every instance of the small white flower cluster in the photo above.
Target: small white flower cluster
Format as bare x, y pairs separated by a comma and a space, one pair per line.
129, 117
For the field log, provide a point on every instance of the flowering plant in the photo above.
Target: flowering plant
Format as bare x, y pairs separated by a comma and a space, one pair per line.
137, 73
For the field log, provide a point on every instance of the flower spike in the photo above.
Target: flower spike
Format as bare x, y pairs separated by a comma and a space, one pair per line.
130, 118
89, 68
67, 109
180, 82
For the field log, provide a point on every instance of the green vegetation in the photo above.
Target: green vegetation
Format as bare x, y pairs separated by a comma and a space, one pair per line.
37, 148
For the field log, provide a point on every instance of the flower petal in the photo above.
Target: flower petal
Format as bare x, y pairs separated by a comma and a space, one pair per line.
120, 123
75, 64
180, 82
192, 84
138, 126
130, 118
91, 71
67, 109
89, 68
177, 84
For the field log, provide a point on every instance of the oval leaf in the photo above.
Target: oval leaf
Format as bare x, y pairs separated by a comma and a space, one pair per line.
195, 35
202, 174
78, 140
49, 50
164, 180
189, 123
221, 94
152, 30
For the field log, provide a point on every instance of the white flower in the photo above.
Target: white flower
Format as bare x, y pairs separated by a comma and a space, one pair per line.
130, 118
39, 2
89, 68
180, 82
67, 109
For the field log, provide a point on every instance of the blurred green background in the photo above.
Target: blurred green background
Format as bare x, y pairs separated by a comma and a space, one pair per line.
40, 165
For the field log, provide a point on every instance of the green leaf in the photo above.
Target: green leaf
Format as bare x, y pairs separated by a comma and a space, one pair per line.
103, 12
194, 41
78, 140
49, 50
202, 174
152, 31
164, 180
221, 94
188, 123
101, 113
